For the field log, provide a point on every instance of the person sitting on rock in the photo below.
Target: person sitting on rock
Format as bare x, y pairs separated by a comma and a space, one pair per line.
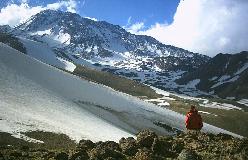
193, 120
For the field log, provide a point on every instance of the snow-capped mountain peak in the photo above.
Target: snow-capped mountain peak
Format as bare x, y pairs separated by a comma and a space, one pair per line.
99, 41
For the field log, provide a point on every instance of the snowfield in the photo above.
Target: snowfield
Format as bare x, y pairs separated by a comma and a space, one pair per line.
220, 106
44, 53
36, 96
243, 101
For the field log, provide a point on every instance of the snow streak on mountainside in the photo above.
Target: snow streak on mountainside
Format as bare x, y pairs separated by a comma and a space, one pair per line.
44, 53
35, 96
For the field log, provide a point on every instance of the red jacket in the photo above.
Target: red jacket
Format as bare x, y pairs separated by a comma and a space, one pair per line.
193, 120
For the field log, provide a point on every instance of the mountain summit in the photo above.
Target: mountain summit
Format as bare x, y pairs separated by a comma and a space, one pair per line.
103, 43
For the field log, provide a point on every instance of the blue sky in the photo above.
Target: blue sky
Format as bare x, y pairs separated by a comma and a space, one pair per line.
118, 11
204, 26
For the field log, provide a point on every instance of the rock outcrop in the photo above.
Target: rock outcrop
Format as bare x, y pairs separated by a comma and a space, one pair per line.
147, 146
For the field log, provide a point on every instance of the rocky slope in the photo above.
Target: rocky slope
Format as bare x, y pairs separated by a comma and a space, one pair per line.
147, 146
11, 40
225, 75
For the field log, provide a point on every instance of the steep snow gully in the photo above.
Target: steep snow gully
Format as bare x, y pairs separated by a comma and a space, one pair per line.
36, 96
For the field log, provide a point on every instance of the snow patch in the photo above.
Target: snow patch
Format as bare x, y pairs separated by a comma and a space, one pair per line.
230, 98
63, 38
159, 101
220, 106
213, 78
193, 83
69, 66
207, 113
160, 91
43, 52
243, 101
164, 104
48, 32
242, 69
222, 80
26, 138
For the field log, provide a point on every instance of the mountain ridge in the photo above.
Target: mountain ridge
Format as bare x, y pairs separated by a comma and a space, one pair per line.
224, 74
88, 39
73, 40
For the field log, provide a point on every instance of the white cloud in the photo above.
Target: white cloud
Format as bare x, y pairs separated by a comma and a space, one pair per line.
83, 2
135, 28
24, 1
14, 14
129, 20
70, 5
94, 19
206, 26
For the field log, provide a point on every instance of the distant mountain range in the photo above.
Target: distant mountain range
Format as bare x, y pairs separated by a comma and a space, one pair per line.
225, 75
65, 40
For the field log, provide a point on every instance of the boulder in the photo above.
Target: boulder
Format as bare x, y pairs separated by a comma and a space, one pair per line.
48, 155
105, 153
106, 150
187, 155
24, 148
111, 145
85, 145
161, 147
144, 154
244, 148
145, 138
224, 137
81, 155
16, 154
128, 146
177, 146
61, 156
1, 156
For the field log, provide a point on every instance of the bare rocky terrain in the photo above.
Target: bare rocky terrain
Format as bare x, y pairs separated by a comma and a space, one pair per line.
146, 146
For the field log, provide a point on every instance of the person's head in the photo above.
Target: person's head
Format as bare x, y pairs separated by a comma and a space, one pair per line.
192, 108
